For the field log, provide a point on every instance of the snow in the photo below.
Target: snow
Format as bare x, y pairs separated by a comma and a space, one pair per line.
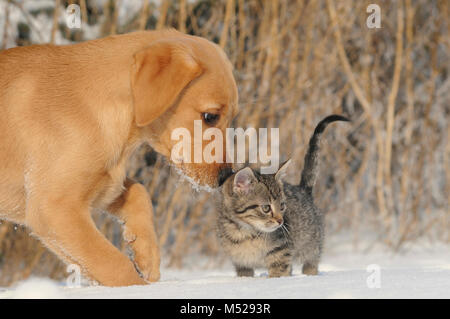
420, 273
36, 288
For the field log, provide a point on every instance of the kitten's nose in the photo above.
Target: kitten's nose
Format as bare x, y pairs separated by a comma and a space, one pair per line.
279, 220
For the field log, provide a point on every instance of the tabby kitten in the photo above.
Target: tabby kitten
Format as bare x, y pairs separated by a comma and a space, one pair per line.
264, 221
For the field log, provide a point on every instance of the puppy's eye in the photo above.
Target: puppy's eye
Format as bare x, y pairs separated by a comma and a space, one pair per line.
265, 208
282, 206
210, 118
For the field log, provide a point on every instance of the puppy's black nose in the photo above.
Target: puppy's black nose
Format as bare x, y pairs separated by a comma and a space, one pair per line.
223, 175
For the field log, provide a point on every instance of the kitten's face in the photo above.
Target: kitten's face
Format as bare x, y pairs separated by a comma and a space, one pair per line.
255, 201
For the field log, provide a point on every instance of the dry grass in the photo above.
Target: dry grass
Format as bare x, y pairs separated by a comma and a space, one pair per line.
385, 176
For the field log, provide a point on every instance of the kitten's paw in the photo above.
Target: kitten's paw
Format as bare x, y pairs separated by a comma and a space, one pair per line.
310, 270
244, 272
280, 270
279, 274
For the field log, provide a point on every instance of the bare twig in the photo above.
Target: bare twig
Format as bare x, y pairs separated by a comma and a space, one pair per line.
394, 90
364, 103
229, 14
145, 12
182, 16
55, 20
163, 7
6, 27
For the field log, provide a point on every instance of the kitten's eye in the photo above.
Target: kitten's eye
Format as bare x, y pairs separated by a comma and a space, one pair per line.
210, 118
265, 208
282, 206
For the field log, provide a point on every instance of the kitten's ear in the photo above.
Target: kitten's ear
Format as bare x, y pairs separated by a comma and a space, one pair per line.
282, 170
243, 180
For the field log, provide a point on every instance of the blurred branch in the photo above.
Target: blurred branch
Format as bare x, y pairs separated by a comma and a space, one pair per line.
163, 8
182, 17
364, 103
242, 34
394, 90
145, 12
29, 19
84, 12
229, 14
115, 15
55, 21
5, 28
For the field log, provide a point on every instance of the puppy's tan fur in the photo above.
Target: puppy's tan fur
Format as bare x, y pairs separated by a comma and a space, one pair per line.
70, 118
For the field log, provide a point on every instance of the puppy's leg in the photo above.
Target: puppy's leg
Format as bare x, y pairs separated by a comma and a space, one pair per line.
68, 229
134, 208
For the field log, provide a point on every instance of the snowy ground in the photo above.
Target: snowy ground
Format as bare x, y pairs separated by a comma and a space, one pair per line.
420, 273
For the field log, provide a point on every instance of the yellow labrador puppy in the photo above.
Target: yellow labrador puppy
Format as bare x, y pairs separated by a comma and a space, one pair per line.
70, 118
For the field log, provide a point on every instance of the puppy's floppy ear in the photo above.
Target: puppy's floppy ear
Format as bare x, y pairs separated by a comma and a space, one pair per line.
159, 74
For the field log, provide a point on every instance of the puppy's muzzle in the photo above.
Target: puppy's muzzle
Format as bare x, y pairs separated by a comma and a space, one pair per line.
223, 175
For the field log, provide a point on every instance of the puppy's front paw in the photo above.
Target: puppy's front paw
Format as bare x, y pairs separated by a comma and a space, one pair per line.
146, 259
148, 269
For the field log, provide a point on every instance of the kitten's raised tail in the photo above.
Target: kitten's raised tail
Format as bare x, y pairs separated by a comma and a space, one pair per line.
309, 172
